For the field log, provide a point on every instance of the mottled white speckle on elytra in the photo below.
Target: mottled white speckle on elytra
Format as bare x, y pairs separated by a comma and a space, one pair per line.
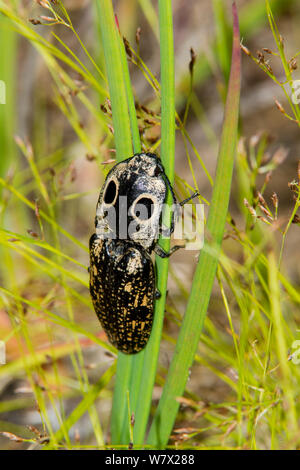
133, 265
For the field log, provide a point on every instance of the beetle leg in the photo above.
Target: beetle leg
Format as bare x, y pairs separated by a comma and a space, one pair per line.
164, 254
157, 294
189, 198
167, 232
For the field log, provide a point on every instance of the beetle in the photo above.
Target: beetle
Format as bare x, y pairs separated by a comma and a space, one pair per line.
128, 223
122, 286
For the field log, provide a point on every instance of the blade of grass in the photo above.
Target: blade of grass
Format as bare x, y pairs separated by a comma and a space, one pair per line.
280, 344
39, 42
57, 319
7, 105
115, 76
129, 367
43, 215
88, 400
252, 17
208, 261
222, 38
124, 120
253, 14
288, 72
146, 361
167, 156
150, 15
136, 141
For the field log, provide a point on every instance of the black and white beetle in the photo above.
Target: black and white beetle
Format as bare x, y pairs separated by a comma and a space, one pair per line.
128, 224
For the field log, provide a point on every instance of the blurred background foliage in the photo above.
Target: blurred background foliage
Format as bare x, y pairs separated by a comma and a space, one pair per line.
56, 142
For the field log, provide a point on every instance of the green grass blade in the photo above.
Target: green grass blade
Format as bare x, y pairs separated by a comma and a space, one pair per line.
87, 401
8, 45
44, 46
208, 261
150, 15
280, 344
43, 215
125, 123
167, 156
130, 100
222, 38
138, 377
115, 76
